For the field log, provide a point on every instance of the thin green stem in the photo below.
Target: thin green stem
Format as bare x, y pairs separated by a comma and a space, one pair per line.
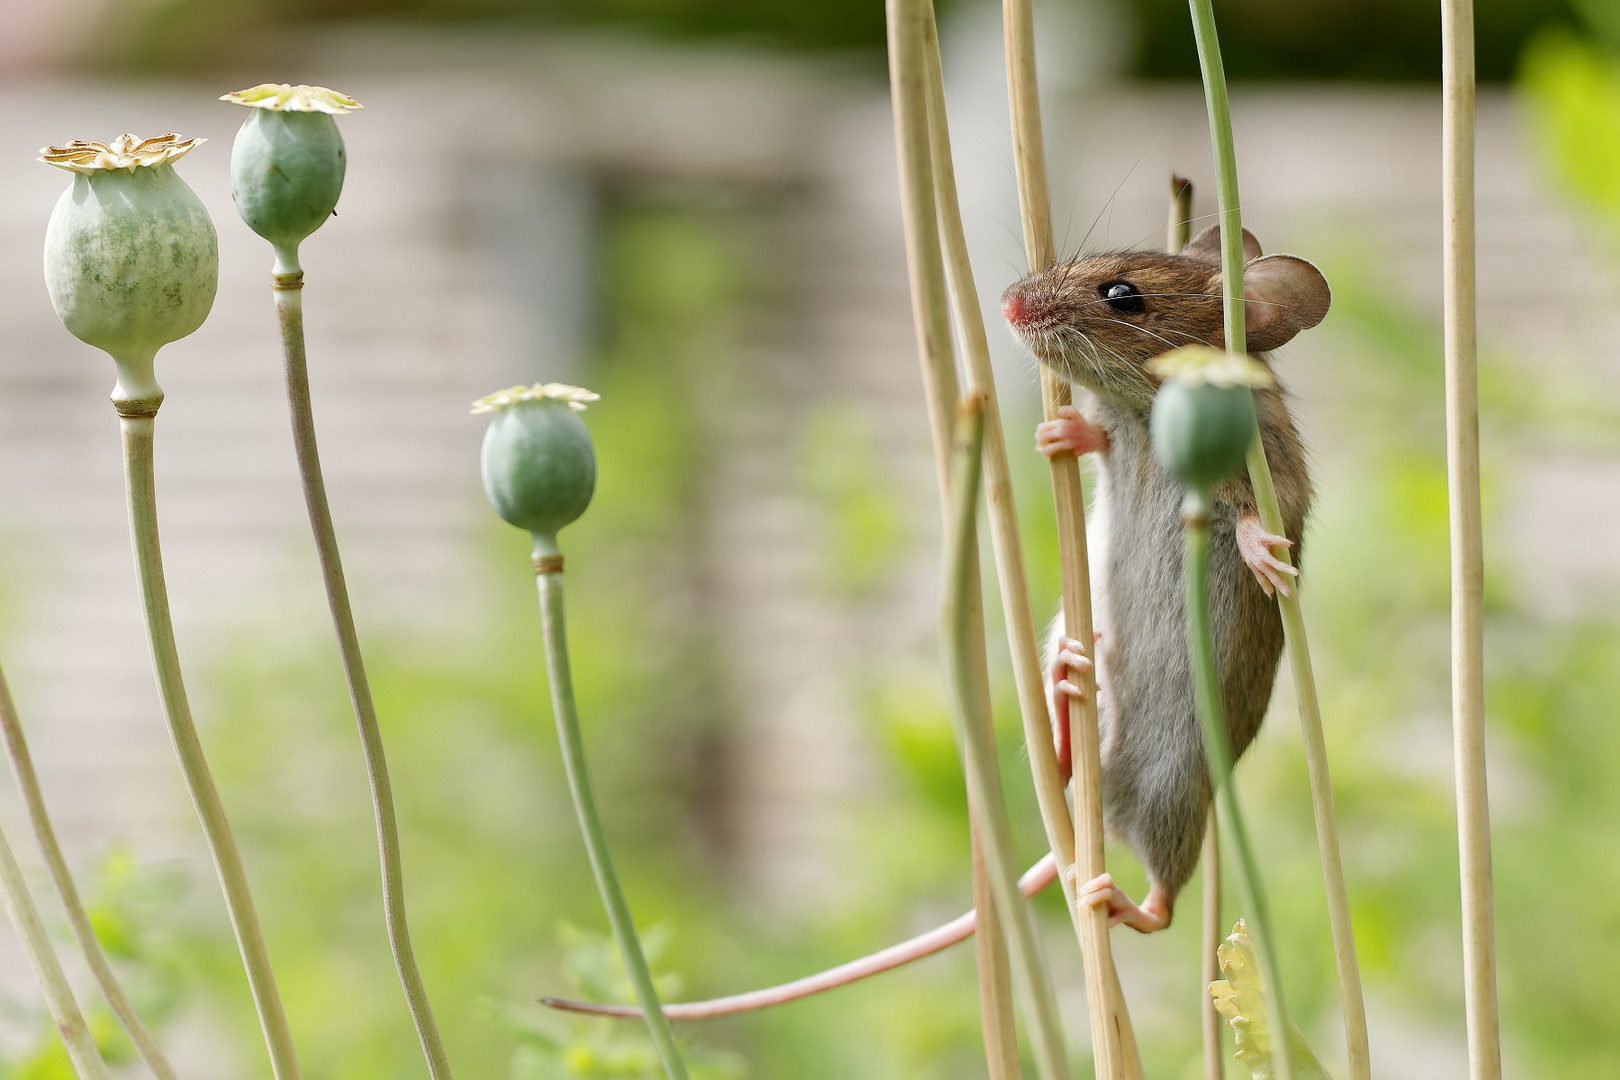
81, 1047
1293, 616
290, 309
142, 491
1176, 234
1218, 754
1226, 179
975, 740
550, 582
22, 767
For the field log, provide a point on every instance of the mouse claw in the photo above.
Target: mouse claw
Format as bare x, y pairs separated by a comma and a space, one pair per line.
1257, 548
1069, 662
1069, 433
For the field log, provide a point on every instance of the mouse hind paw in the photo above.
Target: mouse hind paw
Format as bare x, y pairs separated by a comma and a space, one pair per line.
1150, 915
1065, 679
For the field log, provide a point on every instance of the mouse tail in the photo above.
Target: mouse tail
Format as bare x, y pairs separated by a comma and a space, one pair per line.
1035, 879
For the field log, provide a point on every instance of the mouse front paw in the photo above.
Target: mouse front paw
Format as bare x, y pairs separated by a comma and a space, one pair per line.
1258, 550
1069, 433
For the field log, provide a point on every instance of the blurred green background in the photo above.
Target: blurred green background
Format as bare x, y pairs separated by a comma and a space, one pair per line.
502, 904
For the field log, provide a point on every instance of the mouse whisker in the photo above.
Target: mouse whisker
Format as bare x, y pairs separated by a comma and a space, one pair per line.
1152, 334
1108, 206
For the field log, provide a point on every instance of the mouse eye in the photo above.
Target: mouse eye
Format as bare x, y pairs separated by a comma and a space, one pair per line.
1123, 296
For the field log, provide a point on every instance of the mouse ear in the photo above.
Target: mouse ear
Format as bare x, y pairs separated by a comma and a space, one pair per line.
1283, 294
1206, 246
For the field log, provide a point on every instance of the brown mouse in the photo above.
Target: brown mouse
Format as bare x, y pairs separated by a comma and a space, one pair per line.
1098, 321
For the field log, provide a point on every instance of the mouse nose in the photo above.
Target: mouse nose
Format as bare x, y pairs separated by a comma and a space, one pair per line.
1012, 308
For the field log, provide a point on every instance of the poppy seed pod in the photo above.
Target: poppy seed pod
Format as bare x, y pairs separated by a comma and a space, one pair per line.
538, 462
287, 163
1203, 416
131, 257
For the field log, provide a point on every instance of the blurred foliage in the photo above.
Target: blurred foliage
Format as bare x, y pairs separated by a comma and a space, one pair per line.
866, 534
1261, 39
1571, 82
130, 908
599, 1046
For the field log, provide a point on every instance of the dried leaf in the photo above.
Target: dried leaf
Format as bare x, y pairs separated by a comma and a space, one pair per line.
1239, 998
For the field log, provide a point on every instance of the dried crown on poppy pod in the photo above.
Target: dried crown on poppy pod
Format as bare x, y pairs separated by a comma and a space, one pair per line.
131, 257
539, 464
1203, 415
288, 162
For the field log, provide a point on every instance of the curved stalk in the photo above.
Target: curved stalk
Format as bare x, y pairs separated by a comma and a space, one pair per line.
290, 310
1467, 556
1112, 1039
549, 579
975, 742
1293, 616
997, 475
1029, 158
911, 79
22, 767
1218, 755
141, 487
997, 1018
81, 1047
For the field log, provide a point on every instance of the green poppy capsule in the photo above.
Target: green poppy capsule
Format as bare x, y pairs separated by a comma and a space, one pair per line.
131, 257
1203, 415
288, 162
538, 462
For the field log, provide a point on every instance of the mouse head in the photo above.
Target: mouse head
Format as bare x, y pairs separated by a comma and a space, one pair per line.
1098, 320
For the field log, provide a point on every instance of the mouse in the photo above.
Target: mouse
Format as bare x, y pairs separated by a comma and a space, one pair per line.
1098, 321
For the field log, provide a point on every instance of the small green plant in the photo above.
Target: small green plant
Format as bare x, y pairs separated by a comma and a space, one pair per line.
132, 262
1213, 71
539, 472
287, 168
1203, 425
